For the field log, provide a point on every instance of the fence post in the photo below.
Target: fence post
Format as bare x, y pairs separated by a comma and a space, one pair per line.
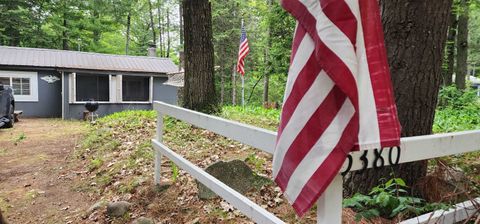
329, 206
158, 155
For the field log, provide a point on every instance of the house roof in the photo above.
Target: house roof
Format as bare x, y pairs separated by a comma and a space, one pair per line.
64, 60
175, 79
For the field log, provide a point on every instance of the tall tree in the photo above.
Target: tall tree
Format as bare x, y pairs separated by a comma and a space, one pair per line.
152, 24
199, 90
452, 32
127, 34
462, 45
266, 78
415, 36
160, 33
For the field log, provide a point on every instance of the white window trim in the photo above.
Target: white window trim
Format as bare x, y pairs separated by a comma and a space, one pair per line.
115, 92
150, 94
73, 89
32, 76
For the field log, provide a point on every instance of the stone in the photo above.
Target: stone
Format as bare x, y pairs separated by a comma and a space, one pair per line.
143, 220
96, 207
235, 174
117, 209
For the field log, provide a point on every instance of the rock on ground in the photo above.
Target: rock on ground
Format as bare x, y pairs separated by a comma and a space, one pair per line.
235, 174
143, 220
117, 209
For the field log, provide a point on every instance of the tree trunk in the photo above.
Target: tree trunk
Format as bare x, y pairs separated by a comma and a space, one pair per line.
180, 53
64, 32
266, 79
199, 90
234, 86
415, 35
452, 32
222, 87
152, 24
168, 36
265, 88
127, 42
180, 9
96, 23
462, 45
160, 33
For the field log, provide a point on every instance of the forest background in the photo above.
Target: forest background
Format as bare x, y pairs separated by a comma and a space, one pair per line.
130, 26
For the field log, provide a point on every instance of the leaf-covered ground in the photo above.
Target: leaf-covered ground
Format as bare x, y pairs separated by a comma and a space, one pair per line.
119, 164
114, 162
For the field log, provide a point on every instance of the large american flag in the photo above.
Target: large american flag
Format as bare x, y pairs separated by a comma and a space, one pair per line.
338, 96
243, 51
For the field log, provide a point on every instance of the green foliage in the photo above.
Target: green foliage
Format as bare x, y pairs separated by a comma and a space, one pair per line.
450, 96
174, 171
20, 138
458, 110
256, 161
388, 200
253, 115
95, 164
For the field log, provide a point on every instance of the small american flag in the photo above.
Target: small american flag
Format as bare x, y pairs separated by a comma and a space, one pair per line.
338, 96
243, 51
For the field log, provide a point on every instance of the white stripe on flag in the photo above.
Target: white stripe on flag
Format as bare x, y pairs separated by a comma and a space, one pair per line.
304, 52
369, 133
307, 106
333, 37
319, 152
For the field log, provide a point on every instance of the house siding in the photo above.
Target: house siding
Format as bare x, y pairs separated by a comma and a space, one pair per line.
161, 92
49, 103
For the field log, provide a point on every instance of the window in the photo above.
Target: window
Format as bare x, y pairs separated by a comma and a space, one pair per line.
24, 84
92, 87
135, 88
110, 88
21, 86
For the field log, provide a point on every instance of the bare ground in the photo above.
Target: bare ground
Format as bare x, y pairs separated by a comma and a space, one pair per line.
37, 172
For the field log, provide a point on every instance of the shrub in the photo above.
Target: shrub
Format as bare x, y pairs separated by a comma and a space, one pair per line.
388, 201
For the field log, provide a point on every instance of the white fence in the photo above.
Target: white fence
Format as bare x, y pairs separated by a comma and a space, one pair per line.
329, 206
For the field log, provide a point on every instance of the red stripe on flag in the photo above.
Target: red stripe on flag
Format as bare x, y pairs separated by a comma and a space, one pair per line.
329, 61
339, 13
379, 73
310, 134
327, 171
299, 35
303, 82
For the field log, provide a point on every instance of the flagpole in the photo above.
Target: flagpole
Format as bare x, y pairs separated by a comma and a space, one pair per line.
243, 83
243, 91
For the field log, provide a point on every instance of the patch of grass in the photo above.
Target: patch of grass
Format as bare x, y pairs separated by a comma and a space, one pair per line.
129, 186
95, 164
174, 171
20, 138
256, 161
31, 194
256, 116
104, 180
3, 151
4, 206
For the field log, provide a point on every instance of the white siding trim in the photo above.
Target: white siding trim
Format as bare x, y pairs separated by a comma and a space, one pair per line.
113, 88
32, 76
62, 78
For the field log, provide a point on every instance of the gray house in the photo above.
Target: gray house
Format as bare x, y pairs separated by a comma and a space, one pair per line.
56, 83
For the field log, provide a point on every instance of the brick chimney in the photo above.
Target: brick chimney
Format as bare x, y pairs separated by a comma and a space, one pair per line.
152, 50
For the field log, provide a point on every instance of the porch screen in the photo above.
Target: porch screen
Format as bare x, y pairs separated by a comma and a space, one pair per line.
135, 88
92, 87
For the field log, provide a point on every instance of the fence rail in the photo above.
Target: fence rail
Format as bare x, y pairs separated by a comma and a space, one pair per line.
329, 209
